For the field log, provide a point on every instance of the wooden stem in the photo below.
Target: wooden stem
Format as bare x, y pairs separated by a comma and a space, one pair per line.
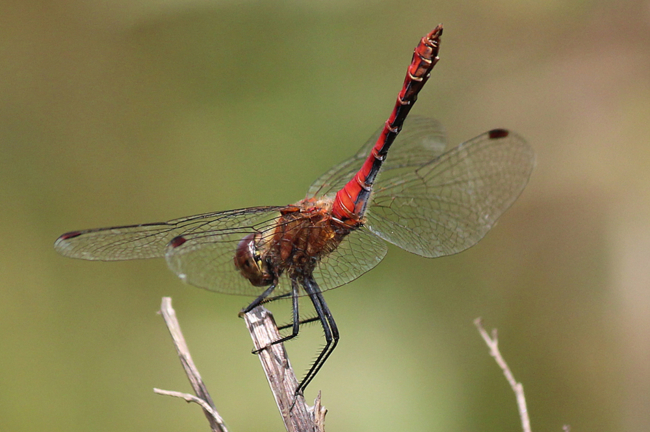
297, 416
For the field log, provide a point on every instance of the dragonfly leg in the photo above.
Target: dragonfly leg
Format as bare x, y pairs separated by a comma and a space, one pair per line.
329, 328
292, 323
302, 321
259, 300
296, 320
277, 297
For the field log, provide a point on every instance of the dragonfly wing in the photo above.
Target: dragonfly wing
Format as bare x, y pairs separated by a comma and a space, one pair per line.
147, 240
448, 204
359, 252
117, 243
205, 258
210, 239
421, 139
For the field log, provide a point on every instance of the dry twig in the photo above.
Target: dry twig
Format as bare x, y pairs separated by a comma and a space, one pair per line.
518, 388
202, 396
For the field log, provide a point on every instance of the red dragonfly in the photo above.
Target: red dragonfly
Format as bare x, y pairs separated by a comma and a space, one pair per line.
426, 201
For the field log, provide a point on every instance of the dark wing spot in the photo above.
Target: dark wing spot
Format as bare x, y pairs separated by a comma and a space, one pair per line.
177, 241
70, 235
498, 133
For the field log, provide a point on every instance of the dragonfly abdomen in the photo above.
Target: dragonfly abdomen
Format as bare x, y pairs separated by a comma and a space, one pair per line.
351, 201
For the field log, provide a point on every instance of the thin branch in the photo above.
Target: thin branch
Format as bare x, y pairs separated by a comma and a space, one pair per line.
202, 396
297, 416
518, 388
188, 398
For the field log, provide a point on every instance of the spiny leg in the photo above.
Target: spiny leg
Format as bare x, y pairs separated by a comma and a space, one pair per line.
296, 320
277, 297
329, 328
292, 323
302, 321
295, 314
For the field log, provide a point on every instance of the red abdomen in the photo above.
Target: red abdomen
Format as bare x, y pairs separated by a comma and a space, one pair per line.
350, 203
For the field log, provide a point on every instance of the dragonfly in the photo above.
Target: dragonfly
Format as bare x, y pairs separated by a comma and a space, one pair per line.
422, 197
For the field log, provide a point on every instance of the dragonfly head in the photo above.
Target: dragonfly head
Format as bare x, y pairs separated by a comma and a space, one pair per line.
249, 262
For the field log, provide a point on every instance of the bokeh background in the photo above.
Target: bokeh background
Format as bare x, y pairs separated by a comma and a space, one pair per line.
119, 112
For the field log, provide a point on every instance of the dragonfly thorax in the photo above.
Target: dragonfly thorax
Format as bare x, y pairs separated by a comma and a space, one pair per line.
303, 234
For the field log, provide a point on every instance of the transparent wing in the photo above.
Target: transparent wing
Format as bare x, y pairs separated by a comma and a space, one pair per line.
448, 204
359, 252
214, 235
151, 240
422, 139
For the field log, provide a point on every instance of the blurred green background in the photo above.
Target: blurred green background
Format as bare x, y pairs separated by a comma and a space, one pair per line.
119, 112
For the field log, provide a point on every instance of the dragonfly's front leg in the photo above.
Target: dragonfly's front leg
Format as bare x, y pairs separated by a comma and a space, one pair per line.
259, 300
295, 311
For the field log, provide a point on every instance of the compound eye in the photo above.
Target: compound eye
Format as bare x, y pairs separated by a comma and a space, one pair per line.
248, 261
